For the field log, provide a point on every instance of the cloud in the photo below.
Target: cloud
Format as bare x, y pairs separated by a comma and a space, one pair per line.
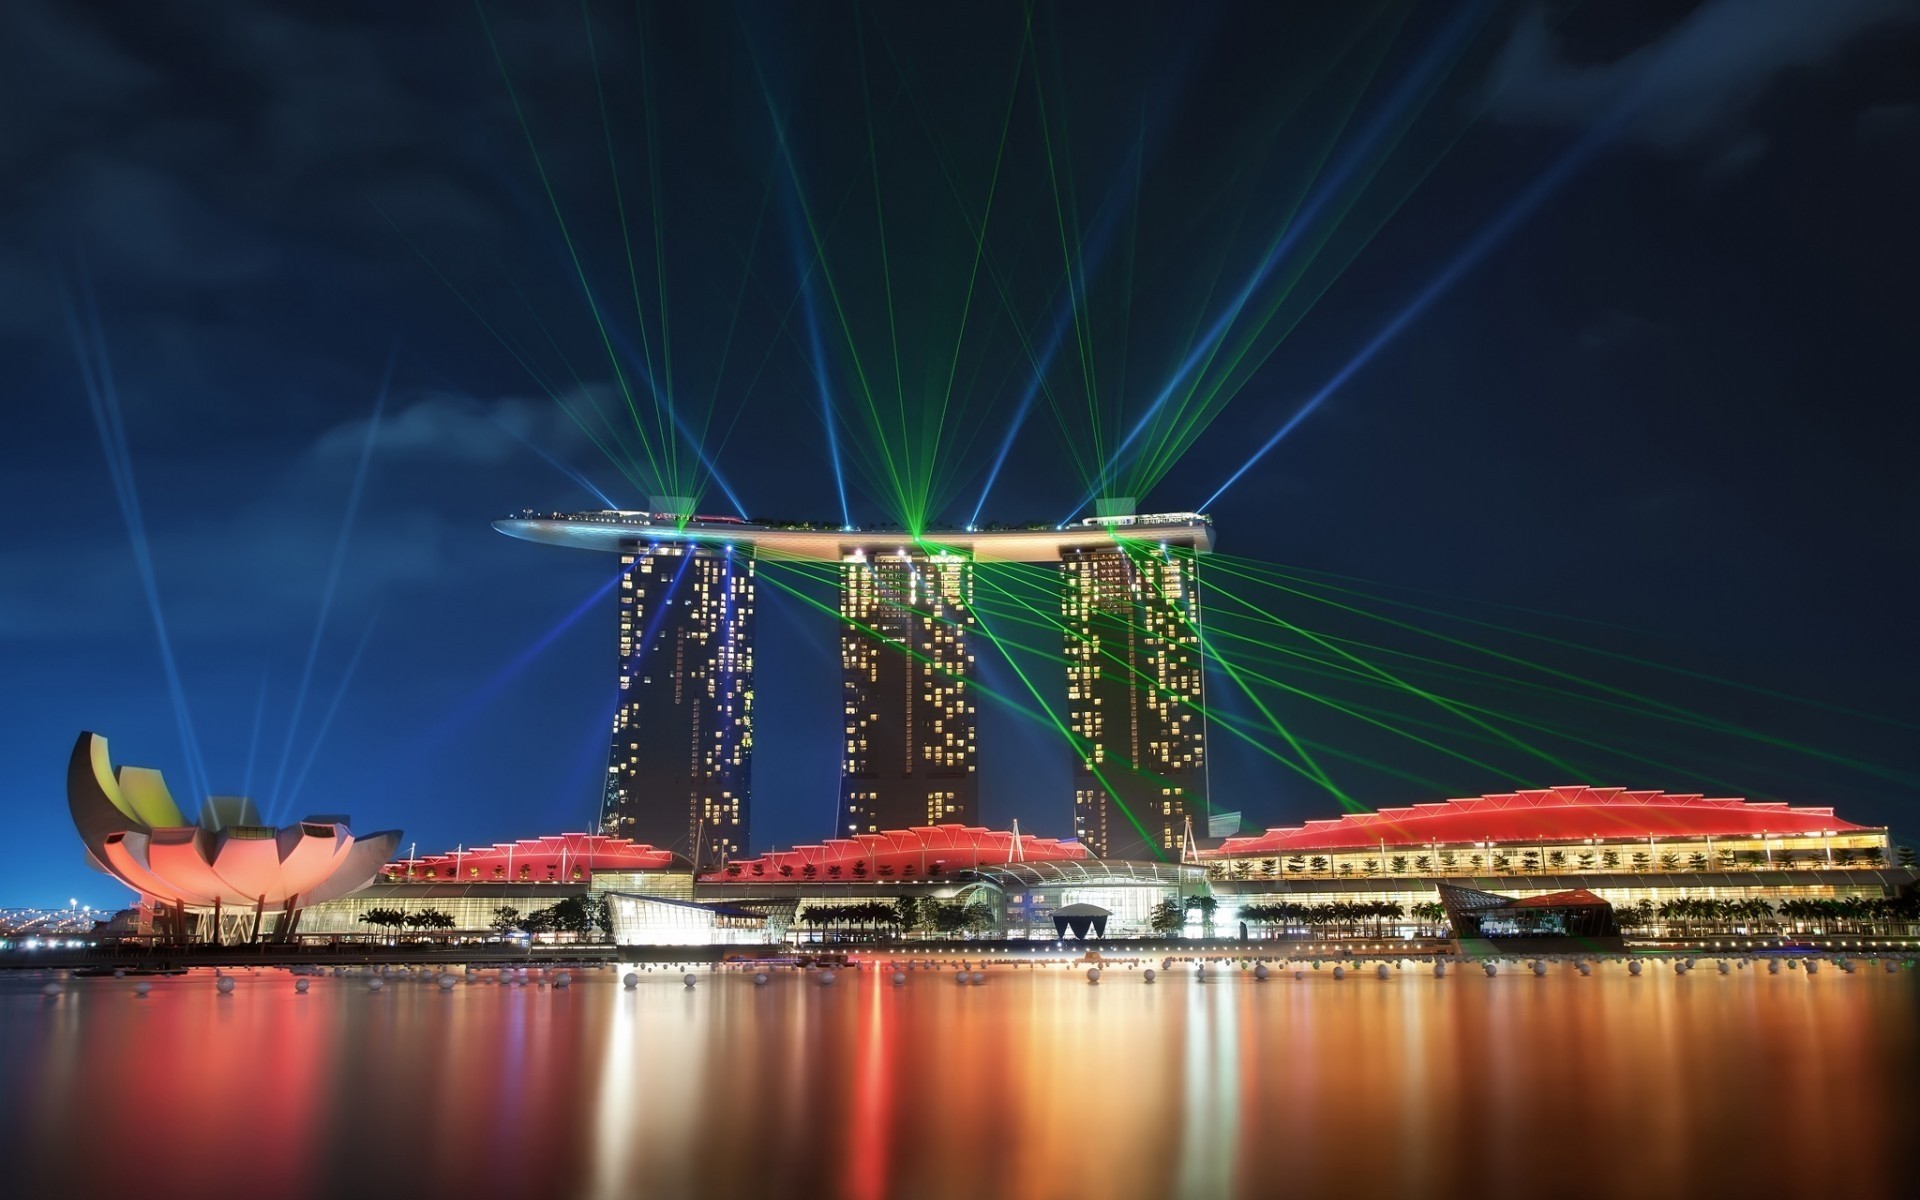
458, 428
1692, 90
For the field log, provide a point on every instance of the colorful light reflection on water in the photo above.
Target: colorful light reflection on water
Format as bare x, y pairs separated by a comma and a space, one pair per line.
1032, 1085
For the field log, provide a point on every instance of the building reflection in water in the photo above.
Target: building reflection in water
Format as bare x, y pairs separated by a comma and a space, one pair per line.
1031, 1087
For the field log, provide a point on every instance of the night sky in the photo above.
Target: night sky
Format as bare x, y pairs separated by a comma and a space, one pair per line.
1618, 301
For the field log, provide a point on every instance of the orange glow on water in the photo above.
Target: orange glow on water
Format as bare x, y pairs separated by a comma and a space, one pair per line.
1032, 1086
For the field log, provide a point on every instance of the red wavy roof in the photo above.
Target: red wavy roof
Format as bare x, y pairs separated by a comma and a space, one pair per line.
1558, 814
556, 857
919, 852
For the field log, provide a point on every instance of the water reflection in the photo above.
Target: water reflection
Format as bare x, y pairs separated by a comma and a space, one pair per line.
1034, 1085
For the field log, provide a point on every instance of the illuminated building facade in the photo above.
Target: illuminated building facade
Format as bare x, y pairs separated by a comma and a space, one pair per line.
679, 771
683, 733
1135, 699
909, 755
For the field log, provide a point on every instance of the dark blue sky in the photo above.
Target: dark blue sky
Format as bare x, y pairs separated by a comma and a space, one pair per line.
1674, 395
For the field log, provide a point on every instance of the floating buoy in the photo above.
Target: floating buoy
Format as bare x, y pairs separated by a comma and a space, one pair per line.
119, 972
689, 979
300, 985
1439, 968
1813, 967
899, 977
826, 978
1093, 974
1586, 969
1490, 969
1725, 969
1539, 968
1339, 972
979, 977
563, 979
447, 982
1381, 971
1149, 975
52, 989
373, 985
1260, 972
142, 988
1773, 966
1633, 968
1680, 967
630, 981
1890, 965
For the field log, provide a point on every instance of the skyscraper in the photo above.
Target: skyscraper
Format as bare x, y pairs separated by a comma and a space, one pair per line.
1134, 696
679, 773
906, 673
682, 736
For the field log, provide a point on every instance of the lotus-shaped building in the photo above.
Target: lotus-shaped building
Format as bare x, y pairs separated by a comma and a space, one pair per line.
227, 860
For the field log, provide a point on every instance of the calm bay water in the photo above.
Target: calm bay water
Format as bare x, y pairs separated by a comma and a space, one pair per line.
1034, 1084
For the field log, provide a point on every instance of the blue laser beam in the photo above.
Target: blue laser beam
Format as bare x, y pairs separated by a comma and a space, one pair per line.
1105, 222
103, 399
332, 582
326, 719
1477, 248
557, 465
819, 364
253, 739
480, 697
1404, 96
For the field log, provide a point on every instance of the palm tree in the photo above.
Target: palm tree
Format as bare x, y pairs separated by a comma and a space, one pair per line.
833, 871
859, 868
1318, 863
1530, 862
1557, 860
1669, 861
1269, 867
1371, 866
1167, 918
809, 871
1586, 860
1398, 863
1641, 860
1696, 861
1904, 856
1423, 863
1610, 859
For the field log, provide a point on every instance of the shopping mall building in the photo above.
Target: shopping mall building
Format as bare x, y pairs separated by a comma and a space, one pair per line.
1364, 875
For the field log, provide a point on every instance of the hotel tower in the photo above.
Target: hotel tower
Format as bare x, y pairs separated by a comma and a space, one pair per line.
1135, 696
678, 775
906, 676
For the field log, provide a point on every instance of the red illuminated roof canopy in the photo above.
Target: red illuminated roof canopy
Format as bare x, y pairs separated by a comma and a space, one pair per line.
1559, 814
922, 852
560, 857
